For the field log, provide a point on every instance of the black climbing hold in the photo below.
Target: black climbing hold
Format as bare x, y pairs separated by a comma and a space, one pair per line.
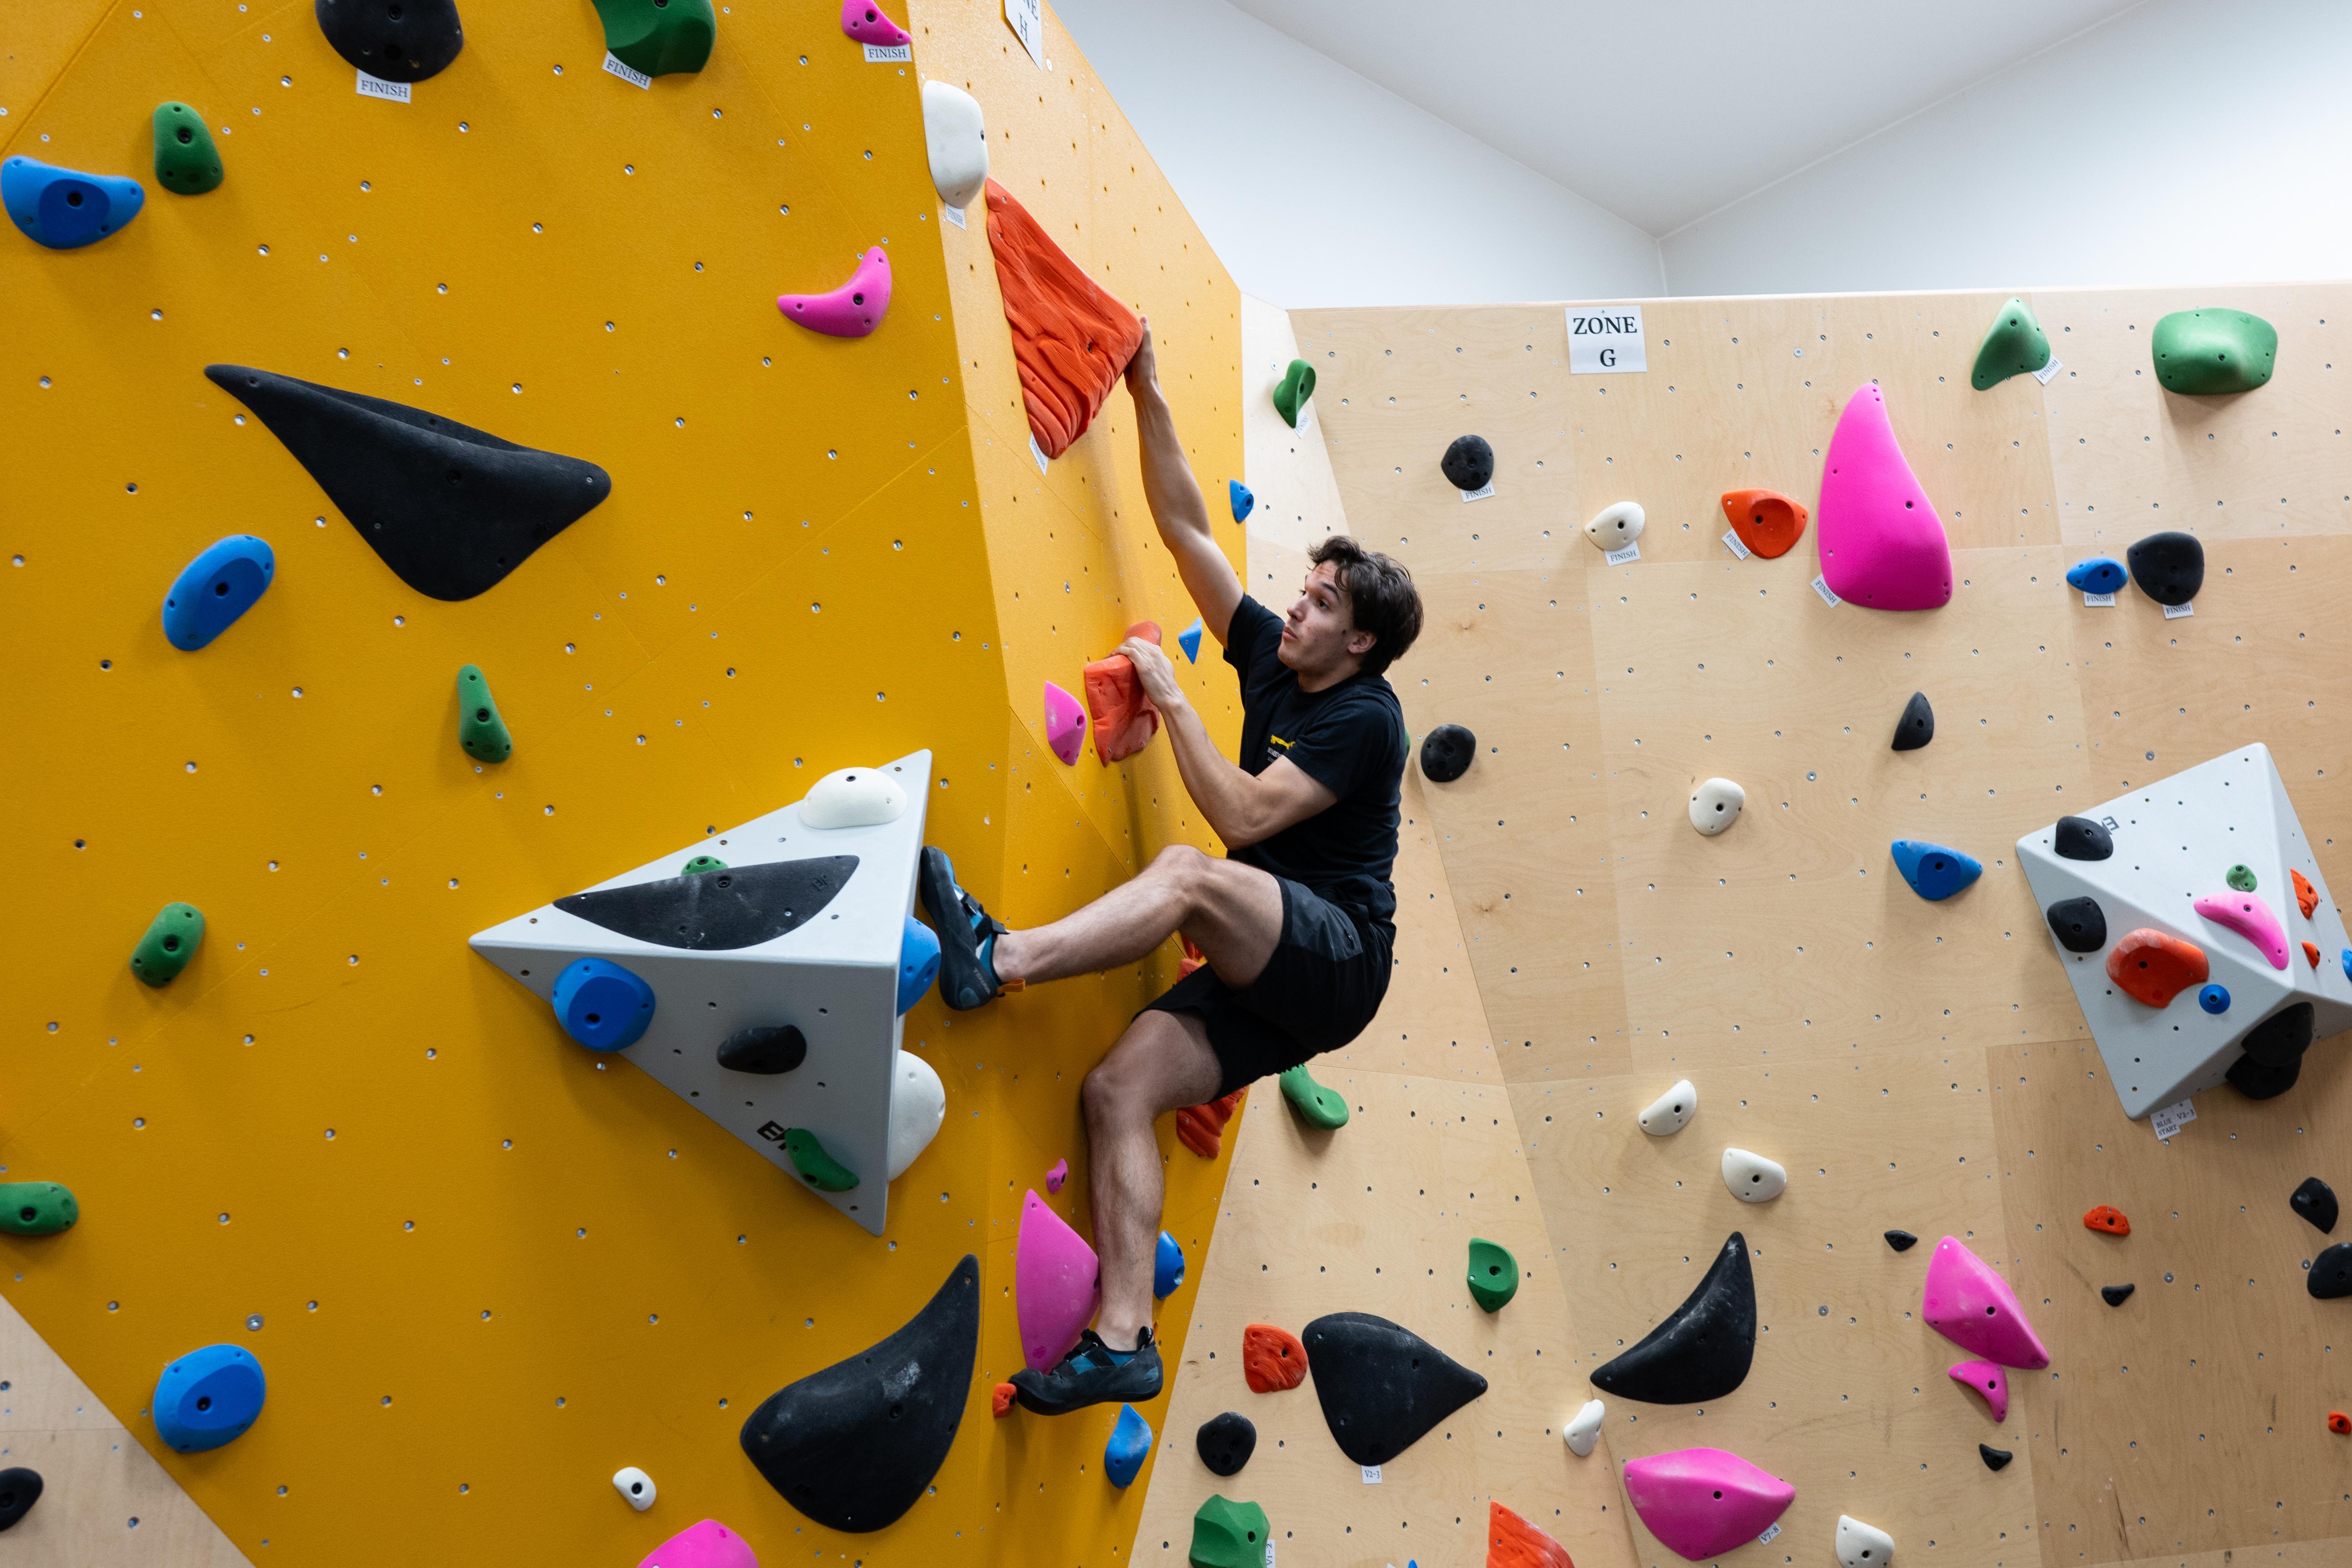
2281, 1040
20, 1489
450, 509
1901, 1240
2116, 1295
1381, 1385
717, 911
406, 41
1446, 752
1702, 1350
1225, 1443
765, 1048
2168, 567
2079, 924
1917, 725
1469, 463
2315, 1201
2255, 1081
1995, 1459
2331, 1272
854, 1446
2080, 839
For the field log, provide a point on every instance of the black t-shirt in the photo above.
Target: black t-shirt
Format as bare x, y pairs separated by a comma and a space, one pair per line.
1350, 739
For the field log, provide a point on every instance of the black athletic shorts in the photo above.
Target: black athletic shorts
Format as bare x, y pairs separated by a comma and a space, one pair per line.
1318, 990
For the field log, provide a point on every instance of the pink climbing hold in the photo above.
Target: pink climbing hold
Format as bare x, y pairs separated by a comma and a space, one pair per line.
709, 1544
2246, 914
1969, 1304
851, 310
866, 24
1057, 1175
1988, 1380
1703, 1501
1882, 544
1056, 1284
1065, 724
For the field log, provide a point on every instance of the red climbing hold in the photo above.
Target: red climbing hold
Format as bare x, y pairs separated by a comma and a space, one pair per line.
1071, 340
1000, 1401
1124, 718
2311, 954
1272, 1359
1202, 1127
2151, 967
2339, 1423
1193, 957
1767, 522
2306, 897
865, 22
1513, 1542
2110, 1220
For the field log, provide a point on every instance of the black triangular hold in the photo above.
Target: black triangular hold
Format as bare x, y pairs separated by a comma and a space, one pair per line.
1225, 1443
406, 41
1704, 1350
450, 509
2116, 1295
1901, 1240
1917, 725
2079, 924
1994, 1458
2331, 1273
2280, 1040
2080, 839
1446, 754
1381, 1385
854, 1447
2315, 1201
717, 911
2255, 1081
764, 1048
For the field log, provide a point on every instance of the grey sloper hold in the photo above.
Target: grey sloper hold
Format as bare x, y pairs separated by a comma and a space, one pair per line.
450, 509
394, 40
717, 911
1382, 1387
1917, 725
1702, 1351
2079, 924
854, 1446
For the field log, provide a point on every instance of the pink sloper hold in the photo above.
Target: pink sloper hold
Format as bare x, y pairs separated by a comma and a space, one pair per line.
851, 310
1701, 1501
1882, 544
1056, 1284
1969, 1304
1988, 1380
709, 1544
1065, 724
2246, 914
867, 25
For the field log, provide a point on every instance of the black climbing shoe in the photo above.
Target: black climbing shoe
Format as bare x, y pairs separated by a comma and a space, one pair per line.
1088, 1375
966, 933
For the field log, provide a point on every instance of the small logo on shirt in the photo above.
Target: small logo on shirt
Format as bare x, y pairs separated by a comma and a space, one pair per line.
1277, 740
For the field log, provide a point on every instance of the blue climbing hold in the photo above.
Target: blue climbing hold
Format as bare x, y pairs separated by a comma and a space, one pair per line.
2098, 575
1935, 872
2216, 998
216, 588
66, 209
602, 1006
1129, 1446
1167, 1268
1189, 639
208, 1397
2347, 964
1239, 494
919, 963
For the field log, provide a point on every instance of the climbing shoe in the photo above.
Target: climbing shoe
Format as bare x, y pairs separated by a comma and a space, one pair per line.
1092, 1373
967, 934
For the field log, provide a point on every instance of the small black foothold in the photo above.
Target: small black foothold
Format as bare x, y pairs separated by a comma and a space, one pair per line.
2116, 1295
1901, 1240
2280, 1040
1469, 463
1917, 725
2255, 1081
2079, 924
1995, 1459
2080, 839
764, 1048
2315, 1201
2331, 1272
1225, 1443
1446, 752
2168, 567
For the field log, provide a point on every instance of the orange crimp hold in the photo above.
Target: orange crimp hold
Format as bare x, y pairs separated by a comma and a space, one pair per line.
1071, 340
1767, 522
1192, 959
2339, 1423
1272, 1359
2311, 954
2306, 897
1001, 1399
1513, 1542
2109, 1220
1124, 718
1203, 1127
2151, 967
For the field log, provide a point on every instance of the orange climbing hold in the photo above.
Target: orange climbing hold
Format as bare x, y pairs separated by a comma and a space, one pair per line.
2311, 954
1123, 717
1272, 1359
2339, 1423
2306, 897
2151, 967
1193, 958
1513, 1542
2107, 1219
1071, 340
1767, 522
1203, 1127
1000, 1401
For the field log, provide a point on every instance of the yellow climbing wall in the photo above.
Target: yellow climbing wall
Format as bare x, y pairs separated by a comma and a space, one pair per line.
483, 1269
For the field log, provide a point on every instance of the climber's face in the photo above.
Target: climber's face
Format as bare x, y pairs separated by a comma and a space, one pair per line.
1320, 639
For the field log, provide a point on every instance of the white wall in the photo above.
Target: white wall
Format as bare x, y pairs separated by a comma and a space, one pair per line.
2181, 143
1317, 188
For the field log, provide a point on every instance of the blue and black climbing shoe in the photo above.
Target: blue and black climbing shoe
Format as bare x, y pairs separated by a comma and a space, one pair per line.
1092, 1373
967, 934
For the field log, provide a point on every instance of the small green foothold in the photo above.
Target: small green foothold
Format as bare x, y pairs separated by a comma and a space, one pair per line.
480, 730
186, 162
2202, 353
2014, 345
1316, 1105
701, 863
172, 938
817, 1168
657, 37
1290, 394
1228, 1534
2241, 878
1494, 1274
36, 1208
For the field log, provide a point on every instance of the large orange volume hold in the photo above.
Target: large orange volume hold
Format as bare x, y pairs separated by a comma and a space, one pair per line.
1767, 522
1272, 1359
1513, 1542
1071, 340
2151, 967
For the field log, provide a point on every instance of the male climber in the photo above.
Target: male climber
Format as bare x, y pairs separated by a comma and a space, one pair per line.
1296, 920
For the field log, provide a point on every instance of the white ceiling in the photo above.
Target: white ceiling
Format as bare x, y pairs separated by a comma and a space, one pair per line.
1664, 111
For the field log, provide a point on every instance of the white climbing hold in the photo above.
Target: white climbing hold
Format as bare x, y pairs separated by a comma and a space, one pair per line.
1584, 1430
1752, 1178
634, 1485
1616, 527
1861, 1545
1715, 806
958, 140
1671, 1112
854, 798
918, 1104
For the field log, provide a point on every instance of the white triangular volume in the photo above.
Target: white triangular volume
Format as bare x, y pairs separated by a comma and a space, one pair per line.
833, 976
2174, 841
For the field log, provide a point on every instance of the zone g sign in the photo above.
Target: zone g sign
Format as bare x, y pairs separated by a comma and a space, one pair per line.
1605, 339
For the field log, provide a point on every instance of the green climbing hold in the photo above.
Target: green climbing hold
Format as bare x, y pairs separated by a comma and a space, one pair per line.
2014, 345
2203, 352
1229, 1534
701, 863
657, 37
480, 730
172, 938
1494, 1274
186, 162
2241, 878
1318, 1106
36, 1208
1291, 393
817, 1168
